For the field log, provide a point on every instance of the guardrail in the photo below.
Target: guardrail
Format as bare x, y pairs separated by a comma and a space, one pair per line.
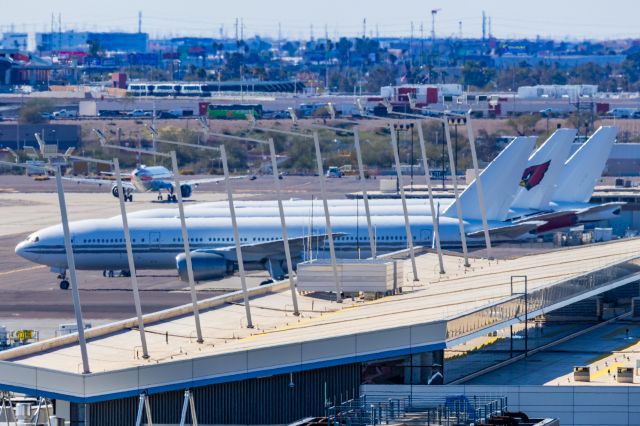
441, 410
538, 299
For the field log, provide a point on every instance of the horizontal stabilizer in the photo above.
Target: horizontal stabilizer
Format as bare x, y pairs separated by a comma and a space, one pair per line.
600, 212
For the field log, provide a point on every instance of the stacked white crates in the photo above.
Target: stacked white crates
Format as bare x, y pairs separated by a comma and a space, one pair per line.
355, 276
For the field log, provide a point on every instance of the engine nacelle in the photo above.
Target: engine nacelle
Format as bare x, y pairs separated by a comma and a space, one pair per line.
206, 266
114, 191
185, 191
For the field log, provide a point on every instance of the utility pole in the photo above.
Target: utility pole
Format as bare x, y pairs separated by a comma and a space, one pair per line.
364, 28
421, 43
411, 45
434, 12
460, 30
484, 26
310, 32
242, 29
237, 31
59, 32
139, 22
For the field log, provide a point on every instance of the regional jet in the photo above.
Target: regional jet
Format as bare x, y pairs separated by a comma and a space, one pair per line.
150, 179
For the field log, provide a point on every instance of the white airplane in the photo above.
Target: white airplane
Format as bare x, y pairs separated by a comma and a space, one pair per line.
99, 244
150, 179
546, 169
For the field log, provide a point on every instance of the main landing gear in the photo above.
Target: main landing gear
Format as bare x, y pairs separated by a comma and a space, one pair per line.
113, 274
170, 198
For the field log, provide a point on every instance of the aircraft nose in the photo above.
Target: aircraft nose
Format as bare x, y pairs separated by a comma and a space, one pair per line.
22, 250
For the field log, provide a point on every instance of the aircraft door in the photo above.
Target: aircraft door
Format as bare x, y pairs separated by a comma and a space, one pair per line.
425, 236
154, 239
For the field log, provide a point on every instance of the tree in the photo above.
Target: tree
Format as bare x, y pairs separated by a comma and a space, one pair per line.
524, 124
380, 75
32, 111
474, 74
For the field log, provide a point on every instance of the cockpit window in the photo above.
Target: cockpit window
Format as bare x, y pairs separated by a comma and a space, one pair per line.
33, 238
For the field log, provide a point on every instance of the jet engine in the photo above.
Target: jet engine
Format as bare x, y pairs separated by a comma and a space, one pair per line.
185, 191
206, 266
114, 191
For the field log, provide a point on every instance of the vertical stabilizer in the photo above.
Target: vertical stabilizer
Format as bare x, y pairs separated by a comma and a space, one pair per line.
540, 178
583, 169
500, 180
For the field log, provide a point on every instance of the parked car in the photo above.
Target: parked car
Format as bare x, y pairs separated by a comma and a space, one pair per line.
138, 113
334, 172
64, 113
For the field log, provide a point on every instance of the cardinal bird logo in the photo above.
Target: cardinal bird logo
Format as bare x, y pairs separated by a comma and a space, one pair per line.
533, 175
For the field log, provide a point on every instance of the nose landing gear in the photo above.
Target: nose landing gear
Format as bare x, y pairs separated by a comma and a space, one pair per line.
64, 283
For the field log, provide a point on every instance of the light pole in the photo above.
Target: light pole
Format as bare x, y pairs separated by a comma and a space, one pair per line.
71, 265
185, 237
427, 177
323, 193
276, 177
234, 224
363, 186
128, 244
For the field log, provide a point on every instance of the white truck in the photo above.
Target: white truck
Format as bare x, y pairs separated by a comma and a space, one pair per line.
64, 113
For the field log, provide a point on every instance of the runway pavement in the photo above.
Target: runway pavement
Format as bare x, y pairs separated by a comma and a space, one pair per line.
29, 293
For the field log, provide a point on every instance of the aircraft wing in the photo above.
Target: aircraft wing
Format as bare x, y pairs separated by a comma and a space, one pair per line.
99, 182
253, 252
546, 216
196, 182
509, 231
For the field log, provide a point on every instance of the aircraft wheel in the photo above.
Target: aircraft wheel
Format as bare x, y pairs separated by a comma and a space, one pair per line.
64, 285
111, 274
129, 198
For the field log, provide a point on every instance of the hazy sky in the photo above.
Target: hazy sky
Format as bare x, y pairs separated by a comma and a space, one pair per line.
558, 19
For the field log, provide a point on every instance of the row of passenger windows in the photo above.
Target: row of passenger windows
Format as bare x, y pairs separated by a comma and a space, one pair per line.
227, 239
379, 238
106, 240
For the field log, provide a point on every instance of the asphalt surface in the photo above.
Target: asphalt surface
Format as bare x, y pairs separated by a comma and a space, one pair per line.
29, 294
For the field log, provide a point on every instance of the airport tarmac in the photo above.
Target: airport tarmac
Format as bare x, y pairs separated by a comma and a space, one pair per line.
29, 294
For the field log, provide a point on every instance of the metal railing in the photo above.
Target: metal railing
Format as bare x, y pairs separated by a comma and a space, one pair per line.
427, 410
540, 298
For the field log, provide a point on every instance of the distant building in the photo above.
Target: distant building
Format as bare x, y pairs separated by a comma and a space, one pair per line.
562, 61
18, 136
571, 91
12, 40
18, 68
82, 41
